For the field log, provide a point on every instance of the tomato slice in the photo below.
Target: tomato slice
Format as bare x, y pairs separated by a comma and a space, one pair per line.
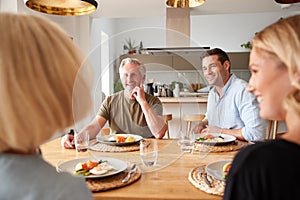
89, 165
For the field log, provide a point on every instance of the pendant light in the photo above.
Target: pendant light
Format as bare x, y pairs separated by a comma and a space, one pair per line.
63, 7
185, 3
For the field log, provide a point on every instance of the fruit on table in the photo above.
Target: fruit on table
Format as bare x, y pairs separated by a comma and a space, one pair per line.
226, 169
130, 139
120, 138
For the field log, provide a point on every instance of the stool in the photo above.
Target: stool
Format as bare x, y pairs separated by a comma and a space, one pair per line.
192, 118
167, 118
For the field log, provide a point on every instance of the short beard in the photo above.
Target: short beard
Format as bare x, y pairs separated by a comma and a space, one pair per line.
127, 92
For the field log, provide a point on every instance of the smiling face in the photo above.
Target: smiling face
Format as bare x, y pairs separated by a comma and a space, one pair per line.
214, 72
270, 84
131, 77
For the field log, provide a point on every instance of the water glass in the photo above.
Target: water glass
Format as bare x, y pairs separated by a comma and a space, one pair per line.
186, 142
148, 152
81, 140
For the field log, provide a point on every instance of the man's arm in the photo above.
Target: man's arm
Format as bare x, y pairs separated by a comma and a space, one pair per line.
156, 123
93, 128
255, 126
235, 132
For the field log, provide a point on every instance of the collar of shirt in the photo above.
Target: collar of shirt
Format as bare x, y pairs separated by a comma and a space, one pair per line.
226, 86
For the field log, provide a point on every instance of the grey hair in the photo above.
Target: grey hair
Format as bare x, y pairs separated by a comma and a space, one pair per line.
134, 61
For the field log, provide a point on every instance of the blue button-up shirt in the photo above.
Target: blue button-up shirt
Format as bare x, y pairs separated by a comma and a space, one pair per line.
235, 109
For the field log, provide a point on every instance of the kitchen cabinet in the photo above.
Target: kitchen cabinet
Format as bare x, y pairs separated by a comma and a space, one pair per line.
153, 63
239, 60
192, 61
167, 62
186, 61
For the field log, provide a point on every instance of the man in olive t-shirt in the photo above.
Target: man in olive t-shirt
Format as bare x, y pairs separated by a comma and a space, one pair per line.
129, 111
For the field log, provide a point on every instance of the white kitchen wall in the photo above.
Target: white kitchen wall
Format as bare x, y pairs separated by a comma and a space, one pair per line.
227, 31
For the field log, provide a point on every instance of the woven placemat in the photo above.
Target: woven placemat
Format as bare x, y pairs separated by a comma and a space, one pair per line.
199, 179
112, 182
234, 146
111, 148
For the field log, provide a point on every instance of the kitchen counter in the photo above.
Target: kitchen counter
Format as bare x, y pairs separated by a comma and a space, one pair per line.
179, 106
183, 99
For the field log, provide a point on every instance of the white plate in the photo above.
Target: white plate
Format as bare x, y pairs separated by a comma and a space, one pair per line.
215, 169
69, 166
108, 139
226, 139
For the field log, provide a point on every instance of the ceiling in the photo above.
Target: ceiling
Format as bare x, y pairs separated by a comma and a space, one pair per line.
148, 8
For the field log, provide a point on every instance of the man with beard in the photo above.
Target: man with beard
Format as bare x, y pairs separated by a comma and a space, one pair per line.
231, 109
130, 111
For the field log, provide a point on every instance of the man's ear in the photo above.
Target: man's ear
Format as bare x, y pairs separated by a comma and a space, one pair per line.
226, 65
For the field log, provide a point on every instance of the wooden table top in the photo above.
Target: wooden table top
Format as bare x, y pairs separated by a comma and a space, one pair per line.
168, 180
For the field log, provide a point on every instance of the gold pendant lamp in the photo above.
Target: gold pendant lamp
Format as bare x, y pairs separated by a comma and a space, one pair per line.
63, 7
185, 3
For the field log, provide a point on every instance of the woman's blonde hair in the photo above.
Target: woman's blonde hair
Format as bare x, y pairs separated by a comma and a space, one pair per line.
39, 66
281, 40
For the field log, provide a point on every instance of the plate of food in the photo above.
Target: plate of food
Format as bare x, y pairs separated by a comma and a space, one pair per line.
119, 139
92, 168
219, 169
214, 138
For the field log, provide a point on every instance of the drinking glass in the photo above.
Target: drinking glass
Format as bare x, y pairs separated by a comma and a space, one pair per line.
186, 141
81, 140
148, 152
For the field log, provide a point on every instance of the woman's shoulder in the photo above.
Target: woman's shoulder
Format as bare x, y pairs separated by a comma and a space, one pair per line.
268, 152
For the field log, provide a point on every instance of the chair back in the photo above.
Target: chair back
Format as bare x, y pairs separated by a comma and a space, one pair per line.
167, 118
272, 128
189, 118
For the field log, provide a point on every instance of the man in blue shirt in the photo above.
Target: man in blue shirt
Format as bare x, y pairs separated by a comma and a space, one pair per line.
231, 109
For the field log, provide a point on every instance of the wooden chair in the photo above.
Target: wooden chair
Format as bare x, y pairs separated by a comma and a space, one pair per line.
167, 118
272, 128
192, 118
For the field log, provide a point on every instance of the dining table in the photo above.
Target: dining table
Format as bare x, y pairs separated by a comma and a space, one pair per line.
168, 179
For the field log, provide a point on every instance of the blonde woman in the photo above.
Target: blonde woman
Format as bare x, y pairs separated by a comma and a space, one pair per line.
267, 170
39, 65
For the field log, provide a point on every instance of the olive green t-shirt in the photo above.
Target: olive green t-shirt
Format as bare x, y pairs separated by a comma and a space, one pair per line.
126, 116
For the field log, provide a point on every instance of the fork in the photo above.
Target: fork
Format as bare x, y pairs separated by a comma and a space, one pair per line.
131, 171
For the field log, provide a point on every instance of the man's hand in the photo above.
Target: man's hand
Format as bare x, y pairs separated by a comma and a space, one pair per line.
139, 94
200, 127
67, 141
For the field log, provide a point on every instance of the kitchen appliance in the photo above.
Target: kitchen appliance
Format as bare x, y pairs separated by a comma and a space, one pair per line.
150, 89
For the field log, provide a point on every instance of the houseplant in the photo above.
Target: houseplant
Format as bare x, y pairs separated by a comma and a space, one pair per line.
130, 46
246, 45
